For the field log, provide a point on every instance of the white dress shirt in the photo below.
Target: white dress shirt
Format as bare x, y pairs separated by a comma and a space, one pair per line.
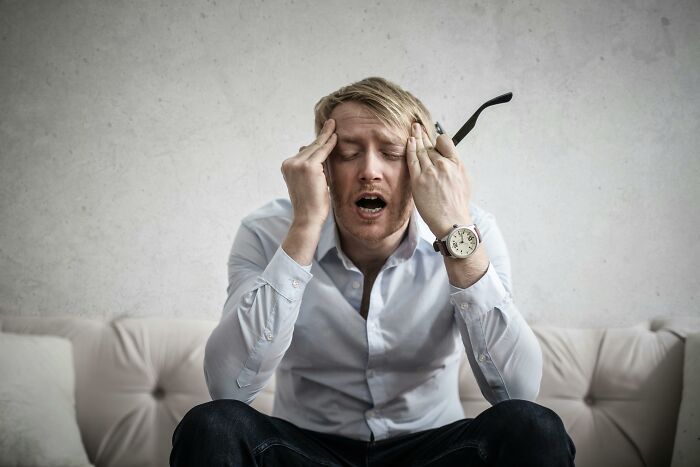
392, 374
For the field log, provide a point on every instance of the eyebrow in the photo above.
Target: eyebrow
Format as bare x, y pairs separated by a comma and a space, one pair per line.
383, 140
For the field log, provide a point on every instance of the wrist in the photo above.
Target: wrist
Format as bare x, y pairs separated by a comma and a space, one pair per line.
308, 224
443, 228
465, 272
308, 227
301, 242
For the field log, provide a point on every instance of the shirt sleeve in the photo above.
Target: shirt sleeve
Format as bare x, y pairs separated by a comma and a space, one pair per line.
502, 350
258, 319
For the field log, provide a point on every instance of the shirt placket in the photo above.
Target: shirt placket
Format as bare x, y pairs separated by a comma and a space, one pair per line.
376, 347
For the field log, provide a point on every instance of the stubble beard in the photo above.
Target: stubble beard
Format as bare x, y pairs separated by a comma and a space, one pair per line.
359, 228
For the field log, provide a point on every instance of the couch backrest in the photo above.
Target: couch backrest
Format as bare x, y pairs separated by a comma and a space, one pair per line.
617, 390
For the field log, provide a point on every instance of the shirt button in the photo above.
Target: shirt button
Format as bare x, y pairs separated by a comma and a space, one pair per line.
268, 335
482, 358
355, 285
296, 284
464, 306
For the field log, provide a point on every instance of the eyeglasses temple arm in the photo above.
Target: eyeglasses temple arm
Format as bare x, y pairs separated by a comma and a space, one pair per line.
469, 125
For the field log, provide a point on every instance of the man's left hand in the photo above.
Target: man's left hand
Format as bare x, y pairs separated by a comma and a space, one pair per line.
439, 181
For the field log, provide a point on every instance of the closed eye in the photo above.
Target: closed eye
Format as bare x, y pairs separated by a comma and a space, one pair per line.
393, 157
348, 156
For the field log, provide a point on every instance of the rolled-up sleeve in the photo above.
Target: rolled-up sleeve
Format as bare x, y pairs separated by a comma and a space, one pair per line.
503, 352
257, 324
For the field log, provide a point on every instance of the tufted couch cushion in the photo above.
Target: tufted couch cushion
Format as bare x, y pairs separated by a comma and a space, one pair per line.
617, 390
135, 379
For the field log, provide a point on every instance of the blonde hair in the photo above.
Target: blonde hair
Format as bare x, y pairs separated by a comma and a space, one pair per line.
385, 100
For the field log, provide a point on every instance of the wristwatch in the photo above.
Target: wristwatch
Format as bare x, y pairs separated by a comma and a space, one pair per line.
461, 242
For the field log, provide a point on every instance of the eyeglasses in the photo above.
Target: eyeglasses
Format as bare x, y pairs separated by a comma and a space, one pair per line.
469, 125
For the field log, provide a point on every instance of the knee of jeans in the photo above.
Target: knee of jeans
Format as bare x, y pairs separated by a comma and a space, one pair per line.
532, 433
530, 419
220, 412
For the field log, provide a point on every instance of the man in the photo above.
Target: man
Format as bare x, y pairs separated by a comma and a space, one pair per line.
340, 292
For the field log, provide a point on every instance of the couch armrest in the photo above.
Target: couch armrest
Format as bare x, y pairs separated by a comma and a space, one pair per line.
686, 449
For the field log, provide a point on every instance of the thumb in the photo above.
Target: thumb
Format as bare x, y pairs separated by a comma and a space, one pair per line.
446, 147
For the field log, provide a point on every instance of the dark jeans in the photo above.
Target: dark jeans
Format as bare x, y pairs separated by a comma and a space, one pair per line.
230, 433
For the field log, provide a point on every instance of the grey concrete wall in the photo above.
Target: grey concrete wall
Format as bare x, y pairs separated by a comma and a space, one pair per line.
135, 135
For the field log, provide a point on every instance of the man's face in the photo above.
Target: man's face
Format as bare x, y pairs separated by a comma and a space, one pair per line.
368, 161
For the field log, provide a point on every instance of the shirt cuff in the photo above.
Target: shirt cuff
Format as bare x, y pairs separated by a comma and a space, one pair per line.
481, 297
286, 276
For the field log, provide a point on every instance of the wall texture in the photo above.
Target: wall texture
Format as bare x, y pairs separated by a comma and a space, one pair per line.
134, 136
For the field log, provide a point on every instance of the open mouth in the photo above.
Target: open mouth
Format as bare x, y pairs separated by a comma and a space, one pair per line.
370, 203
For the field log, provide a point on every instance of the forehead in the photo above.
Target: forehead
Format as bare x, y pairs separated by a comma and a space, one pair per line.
354, 121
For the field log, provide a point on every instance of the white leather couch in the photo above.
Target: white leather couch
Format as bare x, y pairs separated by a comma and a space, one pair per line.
618, 390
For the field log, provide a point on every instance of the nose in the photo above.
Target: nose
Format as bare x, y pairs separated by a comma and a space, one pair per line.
371, 166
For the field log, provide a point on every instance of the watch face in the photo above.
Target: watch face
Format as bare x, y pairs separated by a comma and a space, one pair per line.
462, 242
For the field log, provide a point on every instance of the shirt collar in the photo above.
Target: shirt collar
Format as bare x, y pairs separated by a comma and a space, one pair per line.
329, 237
417, 230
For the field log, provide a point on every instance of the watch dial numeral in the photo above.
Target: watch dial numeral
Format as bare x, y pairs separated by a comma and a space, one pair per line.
462, 242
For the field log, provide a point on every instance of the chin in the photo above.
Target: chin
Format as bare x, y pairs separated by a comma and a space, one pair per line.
371, 232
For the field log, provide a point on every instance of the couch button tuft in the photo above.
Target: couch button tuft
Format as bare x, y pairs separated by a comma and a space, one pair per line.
158, 393
589, 400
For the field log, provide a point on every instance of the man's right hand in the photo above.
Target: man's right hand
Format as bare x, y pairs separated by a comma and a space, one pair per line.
308, 192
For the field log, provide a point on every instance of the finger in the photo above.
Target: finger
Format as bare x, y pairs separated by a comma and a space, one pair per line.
446, 147
421, 151
433, 153
326, 131
321, 154
412, 158
427, 142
